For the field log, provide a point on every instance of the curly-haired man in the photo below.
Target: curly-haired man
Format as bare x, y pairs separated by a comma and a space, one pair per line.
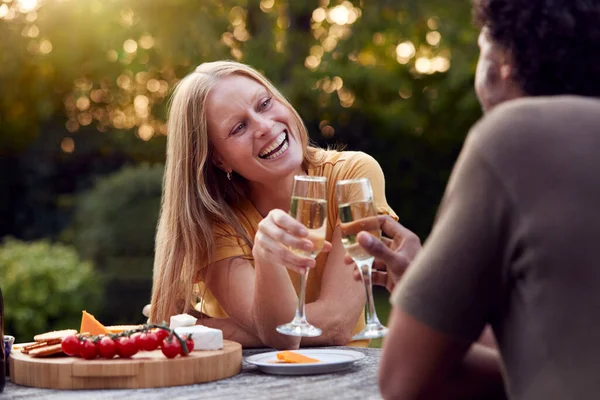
515, 243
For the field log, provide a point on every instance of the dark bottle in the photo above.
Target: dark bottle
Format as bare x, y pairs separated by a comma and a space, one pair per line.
3, 351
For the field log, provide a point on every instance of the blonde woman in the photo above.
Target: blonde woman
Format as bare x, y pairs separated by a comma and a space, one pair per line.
224, 235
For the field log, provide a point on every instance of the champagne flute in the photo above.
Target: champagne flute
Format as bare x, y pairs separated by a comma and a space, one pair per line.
309, 206
357, 213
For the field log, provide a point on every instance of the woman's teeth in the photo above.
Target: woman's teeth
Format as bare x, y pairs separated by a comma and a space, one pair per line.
278, 152
275, 149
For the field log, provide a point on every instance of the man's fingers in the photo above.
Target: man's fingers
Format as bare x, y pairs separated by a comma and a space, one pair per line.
379, 278
327, 246
379, 265
388, 242
375, 247
392, 228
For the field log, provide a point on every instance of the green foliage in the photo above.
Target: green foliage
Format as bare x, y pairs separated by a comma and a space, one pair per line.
115, 224
118, 216
45, 286
355, 90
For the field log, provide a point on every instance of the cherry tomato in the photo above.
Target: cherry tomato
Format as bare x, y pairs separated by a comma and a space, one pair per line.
126, 347
70, 345
148, 341
189, 342
170, 347
161, 334
107, 348
88, 349
153, 340
140, 340
136, 340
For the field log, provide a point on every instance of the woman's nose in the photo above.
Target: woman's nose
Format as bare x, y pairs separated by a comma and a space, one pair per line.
263, 125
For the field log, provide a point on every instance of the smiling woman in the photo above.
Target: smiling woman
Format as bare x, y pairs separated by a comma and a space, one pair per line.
225, 241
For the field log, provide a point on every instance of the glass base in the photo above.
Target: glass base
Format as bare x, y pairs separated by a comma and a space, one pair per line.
371, 331
299, 328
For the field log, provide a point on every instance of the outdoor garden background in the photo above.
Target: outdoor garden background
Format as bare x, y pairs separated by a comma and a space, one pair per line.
84, 89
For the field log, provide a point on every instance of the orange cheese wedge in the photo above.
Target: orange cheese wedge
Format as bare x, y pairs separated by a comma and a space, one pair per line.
90, 324
295, 358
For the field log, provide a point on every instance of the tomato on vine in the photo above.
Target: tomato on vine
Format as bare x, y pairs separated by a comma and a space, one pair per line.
161, 334
70, 345
136, 339
148, 341
126, 347
107, 348
88, 349
189, 342
170, 347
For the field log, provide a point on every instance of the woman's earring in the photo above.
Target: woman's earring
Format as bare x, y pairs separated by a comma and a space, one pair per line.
229, 175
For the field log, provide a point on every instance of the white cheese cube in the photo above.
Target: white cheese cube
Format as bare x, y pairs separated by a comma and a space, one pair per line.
182, 320
204, 338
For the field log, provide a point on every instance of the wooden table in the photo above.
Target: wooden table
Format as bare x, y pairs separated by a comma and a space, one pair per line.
358, 382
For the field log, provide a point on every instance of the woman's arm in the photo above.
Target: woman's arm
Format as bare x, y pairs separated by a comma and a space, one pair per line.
234, 281
232, 331
261, 298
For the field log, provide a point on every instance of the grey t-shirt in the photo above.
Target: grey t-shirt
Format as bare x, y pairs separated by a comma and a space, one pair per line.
517, 244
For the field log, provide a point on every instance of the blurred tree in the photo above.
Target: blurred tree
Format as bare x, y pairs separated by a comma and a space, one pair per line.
390, 78
114, 226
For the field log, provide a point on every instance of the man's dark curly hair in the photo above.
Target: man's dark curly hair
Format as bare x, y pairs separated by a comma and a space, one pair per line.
555, 44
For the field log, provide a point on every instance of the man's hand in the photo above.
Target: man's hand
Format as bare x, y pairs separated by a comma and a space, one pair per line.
392, 256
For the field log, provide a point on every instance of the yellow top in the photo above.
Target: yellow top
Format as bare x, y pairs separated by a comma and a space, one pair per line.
335, 166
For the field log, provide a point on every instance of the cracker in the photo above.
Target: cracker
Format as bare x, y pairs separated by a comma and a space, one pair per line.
46, 350
33, 346
55, 335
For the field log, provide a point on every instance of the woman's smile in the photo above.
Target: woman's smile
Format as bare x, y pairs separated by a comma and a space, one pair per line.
276, 148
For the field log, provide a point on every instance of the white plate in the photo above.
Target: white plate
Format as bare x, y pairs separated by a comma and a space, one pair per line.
330, 360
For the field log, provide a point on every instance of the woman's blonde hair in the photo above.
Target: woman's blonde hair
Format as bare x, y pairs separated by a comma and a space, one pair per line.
196, 193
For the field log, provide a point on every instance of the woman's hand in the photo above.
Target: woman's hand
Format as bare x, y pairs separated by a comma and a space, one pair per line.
278, 233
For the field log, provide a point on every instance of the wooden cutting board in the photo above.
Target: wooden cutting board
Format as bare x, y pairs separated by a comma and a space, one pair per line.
146, 369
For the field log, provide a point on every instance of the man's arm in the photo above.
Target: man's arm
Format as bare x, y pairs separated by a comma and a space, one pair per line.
421, 363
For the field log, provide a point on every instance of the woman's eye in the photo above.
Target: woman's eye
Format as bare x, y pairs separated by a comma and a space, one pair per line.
265, 103
238, 129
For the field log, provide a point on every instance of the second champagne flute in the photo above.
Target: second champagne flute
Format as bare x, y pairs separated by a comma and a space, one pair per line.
357, 213
309, 206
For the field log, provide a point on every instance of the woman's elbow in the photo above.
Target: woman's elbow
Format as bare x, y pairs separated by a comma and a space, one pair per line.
281, 342
339, 336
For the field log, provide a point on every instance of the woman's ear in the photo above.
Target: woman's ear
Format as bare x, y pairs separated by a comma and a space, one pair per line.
218, 162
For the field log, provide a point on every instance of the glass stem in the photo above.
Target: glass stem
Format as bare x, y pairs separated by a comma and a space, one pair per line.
300, 316
365, 267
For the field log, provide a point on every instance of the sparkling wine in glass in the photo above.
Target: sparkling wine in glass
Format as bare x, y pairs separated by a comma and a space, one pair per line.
309, 206
357, 213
